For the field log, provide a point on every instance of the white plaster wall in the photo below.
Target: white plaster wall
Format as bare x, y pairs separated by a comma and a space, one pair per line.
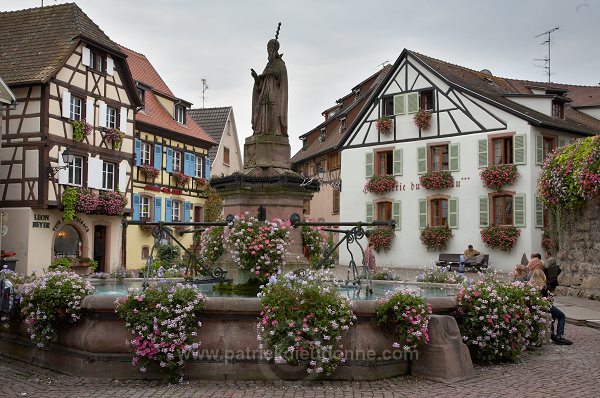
543, 105
593, 112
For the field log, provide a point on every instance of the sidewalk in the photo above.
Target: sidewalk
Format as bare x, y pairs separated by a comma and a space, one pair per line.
580, 311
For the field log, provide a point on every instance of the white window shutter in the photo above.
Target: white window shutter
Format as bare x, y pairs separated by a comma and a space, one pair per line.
123, 166
89, 110
102, 113
397, 213
453, 212
539, 149
482, 150
539, 212
413, 102
66, 104
422, 213
123, 121
484, 218
519, 149
454, 152
95, 172
63, 174
369, 165
421, 160
519, 210
399, 104
110, 66
85, 56
397, 161
369, 212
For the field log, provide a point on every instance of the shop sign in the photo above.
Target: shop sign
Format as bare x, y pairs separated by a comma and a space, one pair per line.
41, 221
156, 188
75, 218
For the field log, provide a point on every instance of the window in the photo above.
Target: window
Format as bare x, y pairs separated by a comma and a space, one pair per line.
342, 125
180, 114
76, 108
549, 145
145, 252
76, 171
108, 176
176, 161
67, 242
502, 150
229, 127
146, 151
387, 106
336, 201
384, 163
333, 161
323, 135
502, 210
198, 168
439, 212
426, 100
558, 109
384, 211
112, 117
438, 158
145, 202
142, 95
226, 155
176, 210
97, 61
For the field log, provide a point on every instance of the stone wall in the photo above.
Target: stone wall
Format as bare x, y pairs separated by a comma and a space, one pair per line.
579, 257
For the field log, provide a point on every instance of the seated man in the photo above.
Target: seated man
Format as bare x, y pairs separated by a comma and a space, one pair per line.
467, 258
535, 263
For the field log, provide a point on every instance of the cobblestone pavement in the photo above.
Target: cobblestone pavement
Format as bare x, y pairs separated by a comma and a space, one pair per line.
554, 371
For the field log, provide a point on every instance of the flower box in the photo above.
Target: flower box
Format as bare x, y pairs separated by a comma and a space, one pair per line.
503, 237
382, 238
115, 137
436, 238
180, 178
437, 180
385, 125
422, 119
81, 129
498, 176
149, 171
380, 184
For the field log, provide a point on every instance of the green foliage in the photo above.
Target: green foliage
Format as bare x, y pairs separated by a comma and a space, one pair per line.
62, 263
250, 288
382, 238
78, 130
213, 206
69, 200
93, 264
440, 275
436, 238
167, 255
384, 275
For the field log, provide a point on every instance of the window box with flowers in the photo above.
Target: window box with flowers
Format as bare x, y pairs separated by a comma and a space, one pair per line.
422, 119
115, 137
384, 125
112, 203
149, 171
180, 178
81, 129
380, 184
436, 238
87, 201
382, 238
437, 180
503, 237
498, 176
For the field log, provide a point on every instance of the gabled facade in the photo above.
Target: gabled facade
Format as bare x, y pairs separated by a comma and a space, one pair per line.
321, 148
219, 123
63, 70
171, 145
477, 120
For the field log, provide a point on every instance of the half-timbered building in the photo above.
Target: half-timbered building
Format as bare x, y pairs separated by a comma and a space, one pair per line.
476, 120
171, 161
75, 93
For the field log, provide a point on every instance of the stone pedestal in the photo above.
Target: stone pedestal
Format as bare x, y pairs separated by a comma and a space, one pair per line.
267, 151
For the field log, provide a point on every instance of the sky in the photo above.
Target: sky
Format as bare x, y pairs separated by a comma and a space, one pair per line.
329, 46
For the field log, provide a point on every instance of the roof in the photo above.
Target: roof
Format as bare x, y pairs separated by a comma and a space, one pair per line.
143, 72
35, 42
6, 96
333, 138
495, 90
213, 121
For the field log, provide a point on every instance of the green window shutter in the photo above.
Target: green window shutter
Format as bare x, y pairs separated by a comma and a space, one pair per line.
482, 150
519, 154
454, 151
397, 213
368, 212
519, 210
398, 162
399, 104
421, 160
422, 213
369, 164
484, 218
453, 212
539, 149
413, 102
539, 212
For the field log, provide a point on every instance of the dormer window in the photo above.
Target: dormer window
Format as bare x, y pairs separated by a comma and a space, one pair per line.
356, 94
322, 136
97, 61
141, 93
558, 109
304, 144
180, 114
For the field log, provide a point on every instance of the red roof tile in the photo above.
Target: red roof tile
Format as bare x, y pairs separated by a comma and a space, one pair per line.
143, 72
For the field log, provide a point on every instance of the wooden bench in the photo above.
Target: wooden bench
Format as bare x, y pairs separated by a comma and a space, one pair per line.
453, 260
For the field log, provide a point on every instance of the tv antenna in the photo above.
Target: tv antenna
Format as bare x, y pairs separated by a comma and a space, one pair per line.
384, 63
546, 59
204, 88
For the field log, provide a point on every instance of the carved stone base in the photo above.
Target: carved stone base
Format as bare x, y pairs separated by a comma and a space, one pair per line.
267, 151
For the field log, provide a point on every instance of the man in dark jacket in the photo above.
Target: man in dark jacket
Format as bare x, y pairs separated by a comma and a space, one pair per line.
552, 271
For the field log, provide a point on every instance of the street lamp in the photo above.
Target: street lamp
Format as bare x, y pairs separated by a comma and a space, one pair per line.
67, 158
335, 183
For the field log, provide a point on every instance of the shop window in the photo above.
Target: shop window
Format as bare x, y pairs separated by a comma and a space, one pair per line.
439, 212
502, 210
67, 242
502, 150
384, 163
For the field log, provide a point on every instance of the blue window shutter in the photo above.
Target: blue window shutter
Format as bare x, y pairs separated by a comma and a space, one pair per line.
157, 209
138, 152
168, 209
186, 212
186, 163
169, 165
136, 207
158, 156
207, 168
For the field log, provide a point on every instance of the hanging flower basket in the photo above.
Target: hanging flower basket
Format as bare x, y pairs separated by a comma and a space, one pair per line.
436, 238
149, 171
384, 125
180, 178
503, 237
380, 184
115, 137
81, 129
437, 180
422, 120
498, 176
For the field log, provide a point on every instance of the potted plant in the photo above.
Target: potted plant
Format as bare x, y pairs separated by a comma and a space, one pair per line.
380, 184
384, 125
83, 266
81, 129
437, 180
149, 171
115, 137
112, 203
422, 119
69, 200
436, 238
498, 176
87, 201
